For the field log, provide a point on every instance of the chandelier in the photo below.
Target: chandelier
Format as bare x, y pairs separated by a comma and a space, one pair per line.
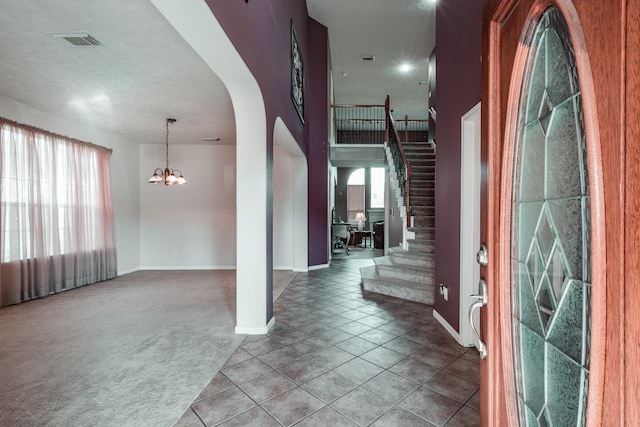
167, 176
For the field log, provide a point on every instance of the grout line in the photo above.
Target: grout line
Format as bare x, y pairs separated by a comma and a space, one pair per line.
303, 294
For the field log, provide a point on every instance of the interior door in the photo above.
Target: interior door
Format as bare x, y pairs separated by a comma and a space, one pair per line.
552, 272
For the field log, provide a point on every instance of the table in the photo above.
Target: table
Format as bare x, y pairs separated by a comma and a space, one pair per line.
364, 237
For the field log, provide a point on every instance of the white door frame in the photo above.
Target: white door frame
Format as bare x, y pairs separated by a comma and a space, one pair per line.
469, 219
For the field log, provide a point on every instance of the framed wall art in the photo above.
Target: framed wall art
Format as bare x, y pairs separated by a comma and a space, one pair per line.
297, 74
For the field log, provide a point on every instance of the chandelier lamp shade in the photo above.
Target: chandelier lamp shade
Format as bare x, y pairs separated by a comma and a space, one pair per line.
167, 176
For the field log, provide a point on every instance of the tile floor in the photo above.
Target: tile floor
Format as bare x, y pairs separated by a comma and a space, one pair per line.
338, 357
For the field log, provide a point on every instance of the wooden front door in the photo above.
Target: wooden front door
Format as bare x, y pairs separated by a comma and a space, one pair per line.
560, 210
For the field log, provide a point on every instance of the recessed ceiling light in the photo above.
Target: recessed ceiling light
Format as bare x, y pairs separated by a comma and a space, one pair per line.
405, 67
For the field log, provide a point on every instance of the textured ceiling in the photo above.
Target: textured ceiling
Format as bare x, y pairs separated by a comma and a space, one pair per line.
146, 72
393, 31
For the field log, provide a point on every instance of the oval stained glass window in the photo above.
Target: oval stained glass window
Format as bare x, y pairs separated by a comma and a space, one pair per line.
550, 254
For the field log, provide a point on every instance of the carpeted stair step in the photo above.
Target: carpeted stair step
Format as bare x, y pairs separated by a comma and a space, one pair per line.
421, 192
372, 282
419, 176
421, 221
386, 268
410, 258
422, 169
422, 200
425, 221
428, 233
422, 245
421, 161
422, 232
423, 211
422, 183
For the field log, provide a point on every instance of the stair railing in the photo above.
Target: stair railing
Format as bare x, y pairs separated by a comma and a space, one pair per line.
402, 166
359, 124
413, 130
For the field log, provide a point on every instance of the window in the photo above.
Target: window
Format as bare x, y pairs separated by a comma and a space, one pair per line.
377, 188
56, 213
62, 195
355, 195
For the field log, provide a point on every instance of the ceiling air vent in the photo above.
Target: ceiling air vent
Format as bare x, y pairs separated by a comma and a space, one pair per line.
368, 58
77, 39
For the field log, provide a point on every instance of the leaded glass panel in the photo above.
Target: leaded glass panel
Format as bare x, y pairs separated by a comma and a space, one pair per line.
550, 237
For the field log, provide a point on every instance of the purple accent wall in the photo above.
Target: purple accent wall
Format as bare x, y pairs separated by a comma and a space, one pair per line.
261, 32
458, 67
317, 90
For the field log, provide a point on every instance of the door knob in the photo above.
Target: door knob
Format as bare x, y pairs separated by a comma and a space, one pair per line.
483, 256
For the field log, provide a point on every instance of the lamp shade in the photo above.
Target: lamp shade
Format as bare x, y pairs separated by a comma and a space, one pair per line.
361, 219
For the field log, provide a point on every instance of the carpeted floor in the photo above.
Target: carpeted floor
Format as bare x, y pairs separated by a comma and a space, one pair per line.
133, 351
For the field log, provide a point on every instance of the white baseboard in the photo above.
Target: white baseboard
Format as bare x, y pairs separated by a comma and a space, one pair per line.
130, 270
318, 267
447, 326
301, 270
255, 330
283, 267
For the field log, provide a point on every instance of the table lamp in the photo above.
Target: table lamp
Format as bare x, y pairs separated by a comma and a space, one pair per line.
360, 218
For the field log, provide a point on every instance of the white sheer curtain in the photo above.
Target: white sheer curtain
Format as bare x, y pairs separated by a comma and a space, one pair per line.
56, 216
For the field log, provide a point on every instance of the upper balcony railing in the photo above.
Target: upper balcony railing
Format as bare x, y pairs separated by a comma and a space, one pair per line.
367, 124
359, 124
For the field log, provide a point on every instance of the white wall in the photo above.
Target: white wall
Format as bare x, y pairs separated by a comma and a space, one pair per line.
294, 197
187, 227
190, 226
124, 172
282, 209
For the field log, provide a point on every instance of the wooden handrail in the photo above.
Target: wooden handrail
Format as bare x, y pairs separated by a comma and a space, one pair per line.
360, 120
357, 105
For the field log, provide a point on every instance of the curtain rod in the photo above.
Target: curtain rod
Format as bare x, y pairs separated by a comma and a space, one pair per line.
5, 121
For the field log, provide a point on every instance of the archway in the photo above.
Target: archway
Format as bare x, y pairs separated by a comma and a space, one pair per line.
198, 26
290, 200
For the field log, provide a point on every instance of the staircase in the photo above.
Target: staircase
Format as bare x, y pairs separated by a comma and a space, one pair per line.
409, 272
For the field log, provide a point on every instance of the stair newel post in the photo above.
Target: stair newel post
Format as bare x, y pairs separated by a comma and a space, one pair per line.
406, 128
